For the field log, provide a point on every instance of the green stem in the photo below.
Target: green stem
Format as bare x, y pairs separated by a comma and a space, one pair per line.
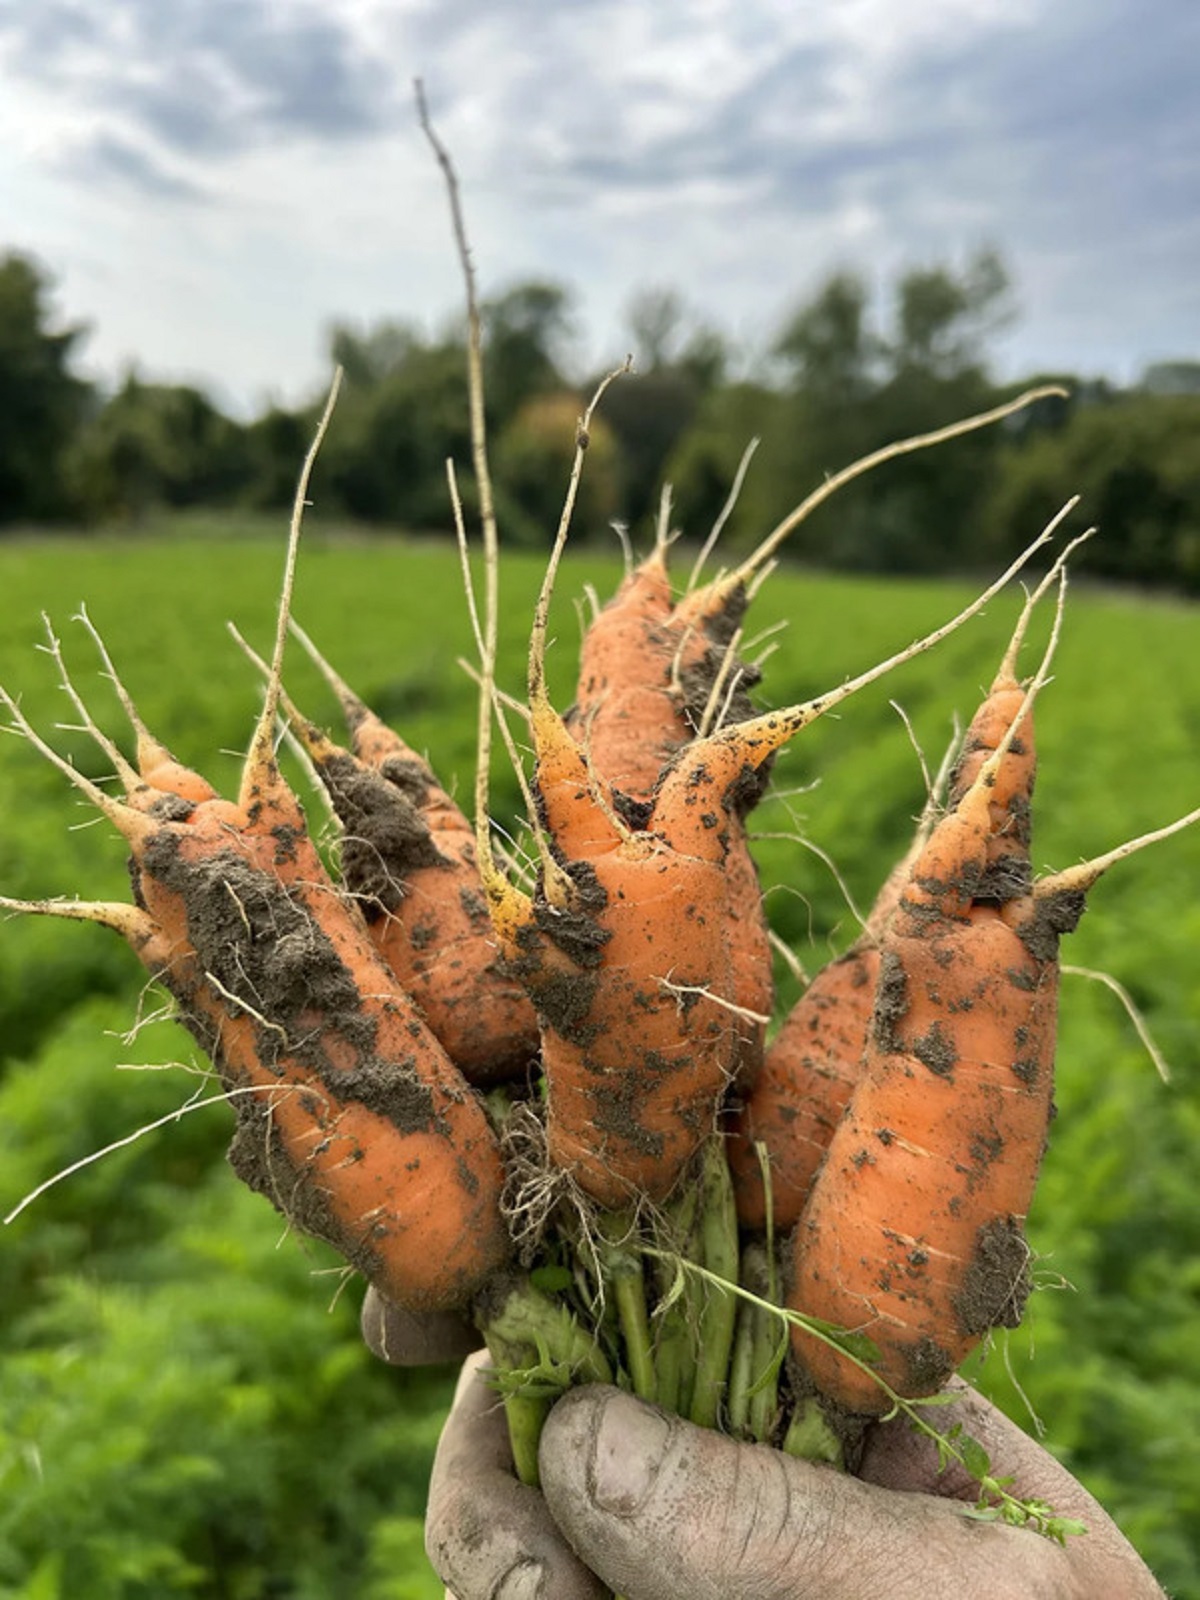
677, 1321
740, 1370
539, 1351
525, 1418
810, 1437
621, 1261
719, 1252
635, 1326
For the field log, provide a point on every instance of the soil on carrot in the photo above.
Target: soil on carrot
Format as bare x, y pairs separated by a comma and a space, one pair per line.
269, 956
385, 838
1053, 915
996, 1283
891, 1000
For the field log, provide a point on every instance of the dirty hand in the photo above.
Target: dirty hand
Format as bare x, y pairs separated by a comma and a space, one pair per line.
661, 1510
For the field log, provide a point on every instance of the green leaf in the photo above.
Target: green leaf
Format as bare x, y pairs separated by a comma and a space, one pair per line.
551, 1279
974, 1457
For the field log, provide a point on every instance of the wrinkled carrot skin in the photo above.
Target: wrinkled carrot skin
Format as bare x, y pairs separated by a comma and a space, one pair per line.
808, 1075
637, 1047
913, 1230
420, 1228
408, 857
364, 1132
633, 715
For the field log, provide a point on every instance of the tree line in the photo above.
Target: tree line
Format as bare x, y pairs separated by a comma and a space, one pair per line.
843, 376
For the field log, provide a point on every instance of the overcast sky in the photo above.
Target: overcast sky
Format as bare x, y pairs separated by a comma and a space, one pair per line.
212, 181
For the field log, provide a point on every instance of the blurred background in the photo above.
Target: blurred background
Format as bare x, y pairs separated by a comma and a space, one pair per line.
824, 227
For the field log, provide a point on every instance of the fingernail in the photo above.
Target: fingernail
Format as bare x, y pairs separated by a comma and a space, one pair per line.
524, 1582
630, 1443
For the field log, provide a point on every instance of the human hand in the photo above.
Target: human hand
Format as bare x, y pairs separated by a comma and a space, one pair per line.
404, 1339
653, 1508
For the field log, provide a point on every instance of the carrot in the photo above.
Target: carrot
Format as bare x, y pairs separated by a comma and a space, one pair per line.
359, 1141
624, 947
359, 1127
655, 675
817, 1057
913, 1230
408, 861
648, 664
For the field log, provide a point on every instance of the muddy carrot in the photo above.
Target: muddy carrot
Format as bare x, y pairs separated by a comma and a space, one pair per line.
408, 860
624, 947
363, 1129
914, 1230
815, 1060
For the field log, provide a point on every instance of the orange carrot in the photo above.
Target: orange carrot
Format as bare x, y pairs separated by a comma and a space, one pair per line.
624, 947
362, 1131
408, 860
655, 675
360, 1126
817, 1057
913, 1231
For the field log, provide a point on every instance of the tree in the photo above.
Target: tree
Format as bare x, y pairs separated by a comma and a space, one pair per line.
41, 400
1134, 459
369, 355
525, 333
943, 321
826, 347
155, 444
853, 386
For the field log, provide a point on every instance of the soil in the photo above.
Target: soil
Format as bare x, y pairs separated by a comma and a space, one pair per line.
1053, 915
266, 950
385, 838
996, 1283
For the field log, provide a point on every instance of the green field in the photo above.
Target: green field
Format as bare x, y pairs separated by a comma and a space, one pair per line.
181, 1412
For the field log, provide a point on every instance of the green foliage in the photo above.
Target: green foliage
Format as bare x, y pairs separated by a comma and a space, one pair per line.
42, 403
179, 1410
155, 445
1137, 456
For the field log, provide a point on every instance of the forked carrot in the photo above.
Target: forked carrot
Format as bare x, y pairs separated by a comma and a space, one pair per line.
408, 860
624, 947
361, 1128
816, 1059
913, 1233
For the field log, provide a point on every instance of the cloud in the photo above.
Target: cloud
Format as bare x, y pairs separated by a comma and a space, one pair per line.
109, 159
204, 78
740, 149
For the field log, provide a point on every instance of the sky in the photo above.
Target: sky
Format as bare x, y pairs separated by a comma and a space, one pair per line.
211, 183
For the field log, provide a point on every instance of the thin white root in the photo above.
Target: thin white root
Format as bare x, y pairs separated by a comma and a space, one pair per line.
1085, 874
765, 734
121, 1144
824, 857
724, 514
857, 469
790, 959
260, 758
703, 989
130, 778
1141, 1027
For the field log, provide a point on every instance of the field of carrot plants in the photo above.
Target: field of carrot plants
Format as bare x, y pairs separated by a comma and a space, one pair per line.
185, 1407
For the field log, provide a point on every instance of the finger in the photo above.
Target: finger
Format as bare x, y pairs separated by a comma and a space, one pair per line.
406, 1340
488, 1536
661, 1509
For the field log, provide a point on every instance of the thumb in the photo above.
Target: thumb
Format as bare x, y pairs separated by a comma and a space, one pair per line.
662, 1510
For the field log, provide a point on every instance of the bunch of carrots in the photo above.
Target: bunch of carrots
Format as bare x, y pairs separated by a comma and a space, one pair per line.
549, 1099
